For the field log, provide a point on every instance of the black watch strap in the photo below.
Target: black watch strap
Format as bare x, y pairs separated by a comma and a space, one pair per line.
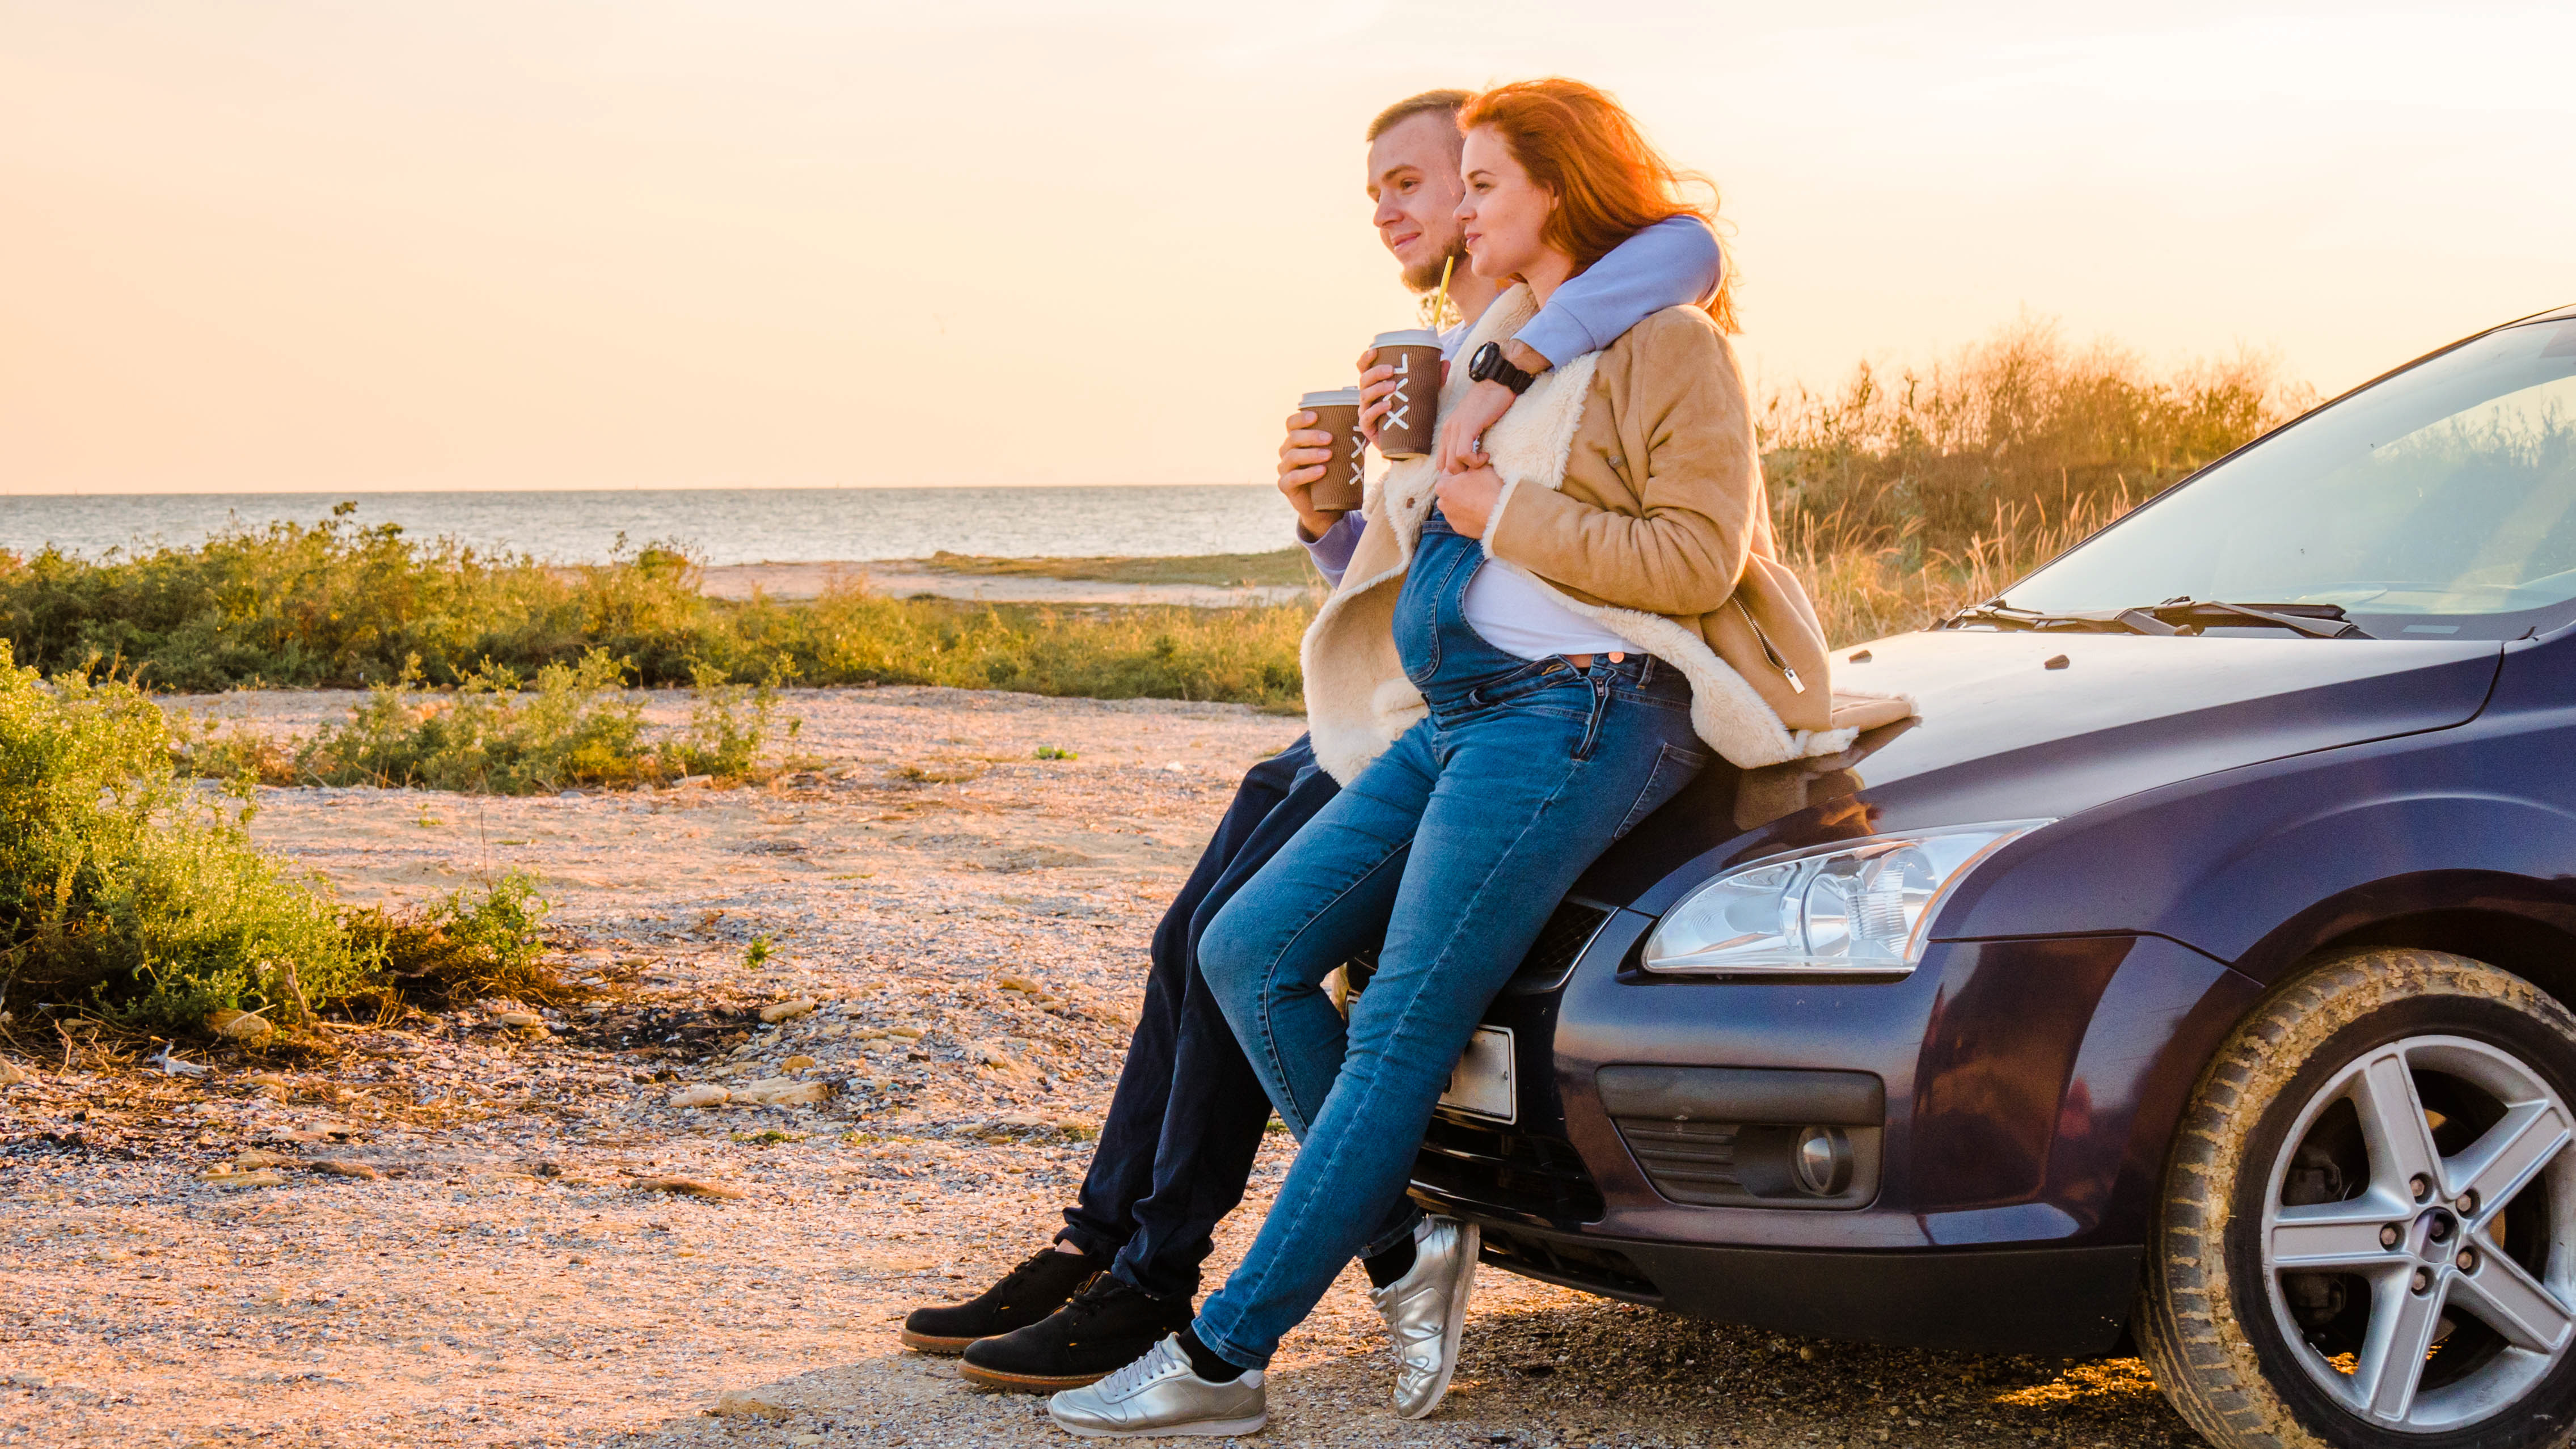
1489, 365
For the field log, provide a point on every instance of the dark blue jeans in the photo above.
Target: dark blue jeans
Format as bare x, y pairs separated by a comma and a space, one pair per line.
1453, 846
1188, 1115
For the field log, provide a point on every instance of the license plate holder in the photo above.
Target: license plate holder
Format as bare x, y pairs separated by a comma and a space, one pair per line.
1483, 1083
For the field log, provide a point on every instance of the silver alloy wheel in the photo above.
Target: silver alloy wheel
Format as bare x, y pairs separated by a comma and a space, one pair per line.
2427, 1234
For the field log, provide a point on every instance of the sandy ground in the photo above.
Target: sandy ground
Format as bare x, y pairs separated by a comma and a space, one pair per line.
488, 1258
808, 580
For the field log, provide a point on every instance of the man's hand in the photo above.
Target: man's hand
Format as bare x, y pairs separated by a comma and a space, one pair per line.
1377, 385
1302, 456
1462, 433
1467, 499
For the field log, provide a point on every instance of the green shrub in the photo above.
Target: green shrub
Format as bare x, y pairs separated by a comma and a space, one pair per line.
457, 951
728, 724
578, 726
342, 605
124, 886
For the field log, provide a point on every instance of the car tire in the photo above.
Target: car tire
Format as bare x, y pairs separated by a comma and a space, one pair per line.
2320, 1275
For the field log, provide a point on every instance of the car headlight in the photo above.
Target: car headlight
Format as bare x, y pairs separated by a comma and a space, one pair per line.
1855, 907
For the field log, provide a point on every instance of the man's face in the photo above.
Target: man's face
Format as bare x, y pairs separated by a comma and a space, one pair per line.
1413, 178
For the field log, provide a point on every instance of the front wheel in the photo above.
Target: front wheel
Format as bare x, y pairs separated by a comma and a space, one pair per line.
2368, 1233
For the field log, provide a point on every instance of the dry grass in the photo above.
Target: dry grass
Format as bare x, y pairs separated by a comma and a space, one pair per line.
1900, 499
1865, 590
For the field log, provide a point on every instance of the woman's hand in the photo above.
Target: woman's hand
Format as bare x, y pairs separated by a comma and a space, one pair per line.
1302, 456
1462, 433
1467, 499
1377, 385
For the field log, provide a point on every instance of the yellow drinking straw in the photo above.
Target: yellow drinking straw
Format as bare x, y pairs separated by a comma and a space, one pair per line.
1440, 299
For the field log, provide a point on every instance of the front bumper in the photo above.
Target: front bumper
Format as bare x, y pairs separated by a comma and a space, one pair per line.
2030, 1091
2052, 1301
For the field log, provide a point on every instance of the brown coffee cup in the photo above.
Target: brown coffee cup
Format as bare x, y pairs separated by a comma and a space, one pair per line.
1338, 412
1410, 428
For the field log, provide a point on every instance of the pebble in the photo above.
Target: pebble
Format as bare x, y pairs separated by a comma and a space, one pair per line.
238, 1025
689, 1187
344, 1169
749, 1403
269, 1084
11, 1074
705, 1094
796, 1063
260, 1178
521, 1020
778, 1011
781, 1092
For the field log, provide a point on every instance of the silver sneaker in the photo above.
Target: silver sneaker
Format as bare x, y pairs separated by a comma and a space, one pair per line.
1160, 1394
1425, 1309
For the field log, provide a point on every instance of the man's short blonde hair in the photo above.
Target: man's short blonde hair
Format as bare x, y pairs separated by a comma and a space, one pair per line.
1412, 106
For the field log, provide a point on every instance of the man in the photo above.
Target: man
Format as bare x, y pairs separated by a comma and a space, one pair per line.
1188, 1114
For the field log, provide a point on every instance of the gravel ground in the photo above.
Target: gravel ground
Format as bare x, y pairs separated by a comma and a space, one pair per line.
463, 1232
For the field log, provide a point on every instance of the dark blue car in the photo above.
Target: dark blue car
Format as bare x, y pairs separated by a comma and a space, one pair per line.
2194, 970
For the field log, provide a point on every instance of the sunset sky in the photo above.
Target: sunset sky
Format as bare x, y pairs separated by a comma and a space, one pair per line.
270, 245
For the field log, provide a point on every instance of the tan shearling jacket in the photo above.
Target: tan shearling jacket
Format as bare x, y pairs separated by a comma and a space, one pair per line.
1632, 491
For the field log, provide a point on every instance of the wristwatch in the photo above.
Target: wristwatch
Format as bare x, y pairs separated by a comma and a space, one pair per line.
1488, 366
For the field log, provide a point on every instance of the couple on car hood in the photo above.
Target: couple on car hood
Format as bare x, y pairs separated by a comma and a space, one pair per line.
1537, 636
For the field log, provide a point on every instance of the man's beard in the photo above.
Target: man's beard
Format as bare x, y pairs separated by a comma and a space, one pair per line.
1424, 276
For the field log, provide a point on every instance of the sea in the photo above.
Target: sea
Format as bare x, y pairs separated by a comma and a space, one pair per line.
718, 525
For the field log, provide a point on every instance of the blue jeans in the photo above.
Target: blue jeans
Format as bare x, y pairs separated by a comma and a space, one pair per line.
1188, 1115
1457, 843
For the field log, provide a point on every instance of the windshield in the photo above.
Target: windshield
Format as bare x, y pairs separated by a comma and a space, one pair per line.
2440, 502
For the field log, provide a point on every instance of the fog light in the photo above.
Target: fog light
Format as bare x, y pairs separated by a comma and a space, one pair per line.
1822, 1161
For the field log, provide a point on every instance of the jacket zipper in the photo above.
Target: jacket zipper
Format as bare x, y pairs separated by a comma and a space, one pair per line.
1796, 686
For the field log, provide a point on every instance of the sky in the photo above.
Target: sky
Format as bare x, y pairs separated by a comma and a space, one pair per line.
327, 245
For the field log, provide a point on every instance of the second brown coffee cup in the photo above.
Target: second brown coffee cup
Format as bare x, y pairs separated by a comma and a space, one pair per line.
1411, 425
1337, 412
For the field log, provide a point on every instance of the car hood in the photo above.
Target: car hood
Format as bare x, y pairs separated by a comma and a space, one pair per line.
2012, 725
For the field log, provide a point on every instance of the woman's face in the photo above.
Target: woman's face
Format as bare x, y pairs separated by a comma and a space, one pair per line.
1505, 213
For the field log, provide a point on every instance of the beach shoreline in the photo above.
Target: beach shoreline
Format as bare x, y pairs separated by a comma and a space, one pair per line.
907, 578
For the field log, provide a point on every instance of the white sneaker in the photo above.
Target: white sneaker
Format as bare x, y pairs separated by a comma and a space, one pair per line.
1425, 1309
1160, 1394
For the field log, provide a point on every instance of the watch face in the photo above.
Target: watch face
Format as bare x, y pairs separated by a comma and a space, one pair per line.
1480, 368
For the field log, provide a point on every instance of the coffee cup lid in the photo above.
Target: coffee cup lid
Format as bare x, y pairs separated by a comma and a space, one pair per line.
1409, 337
1340, 397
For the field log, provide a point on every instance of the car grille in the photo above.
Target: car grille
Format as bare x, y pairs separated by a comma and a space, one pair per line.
1690, 1162
1560, 944
1508, 1170
1577, 1265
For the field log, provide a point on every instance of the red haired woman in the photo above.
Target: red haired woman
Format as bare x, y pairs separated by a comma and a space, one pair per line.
1523, 660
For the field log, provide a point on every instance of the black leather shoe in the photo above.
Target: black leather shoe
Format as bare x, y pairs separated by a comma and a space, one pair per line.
1107, 1326
1027, 1294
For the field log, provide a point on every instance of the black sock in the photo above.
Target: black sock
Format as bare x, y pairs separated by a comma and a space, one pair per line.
1384, 1268
1205, 1363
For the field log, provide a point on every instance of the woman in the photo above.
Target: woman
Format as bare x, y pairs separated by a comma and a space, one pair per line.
1522, 661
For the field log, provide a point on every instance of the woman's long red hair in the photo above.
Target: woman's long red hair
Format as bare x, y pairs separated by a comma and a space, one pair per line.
1608, 181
